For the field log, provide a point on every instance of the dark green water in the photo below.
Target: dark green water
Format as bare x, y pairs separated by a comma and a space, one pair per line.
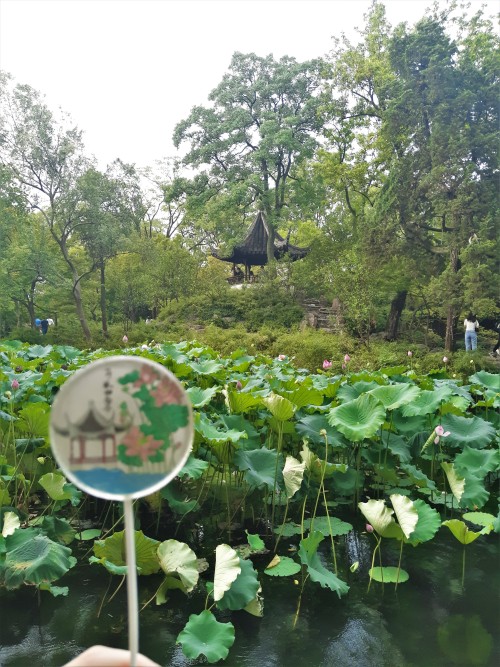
429, 622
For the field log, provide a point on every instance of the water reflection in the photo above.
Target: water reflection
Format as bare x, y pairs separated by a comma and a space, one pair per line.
429, 622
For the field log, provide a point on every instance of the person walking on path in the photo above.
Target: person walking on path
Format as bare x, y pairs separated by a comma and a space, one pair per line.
471, 325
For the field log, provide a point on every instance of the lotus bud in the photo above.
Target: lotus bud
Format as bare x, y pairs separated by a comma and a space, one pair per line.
125, 338
15, 384
239, 386
410, 353
445, 360
347, 359
369, 528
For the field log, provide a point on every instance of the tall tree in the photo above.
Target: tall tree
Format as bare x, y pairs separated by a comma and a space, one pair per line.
46, 157
263, 121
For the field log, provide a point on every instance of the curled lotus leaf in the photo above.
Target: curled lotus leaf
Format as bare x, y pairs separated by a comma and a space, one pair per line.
461, 531
243, 589
111, 551
293, 474
177, 557
227, 568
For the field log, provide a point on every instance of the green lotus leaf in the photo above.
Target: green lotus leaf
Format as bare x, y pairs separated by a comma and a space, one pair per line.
408, 425
308, 553
259, 466
481, 519
56, 591
241, 363
240, 401
457, 483
256, 606
289, 529
345, 483
243, 589
38, 351
461, 531
328, 525
193, 468
406, 513
397, 446
33, 558
293, 474
119, 570
380, 517
282, 566
479, 462
304, 395
358, 419
310, 427
389, 575
457, 405
395, 395
89, 534
207, 367
464, 641
168, 584
200, 397
177, 557
204, 635
488, 380
255, 542
417, 477
6, 417
57, 529
280, 408
429, 522
349, 392
472, 431
178, 502
475, 494
58, 487
227, 568
427, 402
34, 419
112, 550
216, 432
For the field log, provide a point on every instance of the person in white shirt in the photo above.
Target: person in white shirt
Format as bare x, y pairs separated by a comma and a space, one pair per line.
471, 325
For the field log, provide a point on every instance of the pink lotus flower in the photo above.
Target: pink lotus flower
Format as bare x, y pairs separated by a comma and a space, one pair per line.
327, 364
445, 360
282, 357
440, 433
15, 384
125, 338
410, 353
369, 528
138, 444
347, 359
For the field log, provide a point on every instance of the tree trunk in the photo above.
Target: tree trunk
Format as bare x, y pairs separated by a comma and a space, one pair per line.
397, 307
104, 318
77, 295
450, 317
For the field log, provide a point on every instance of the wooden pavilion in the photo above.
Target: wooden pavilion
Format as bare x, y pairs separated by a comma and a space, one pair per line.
252, 251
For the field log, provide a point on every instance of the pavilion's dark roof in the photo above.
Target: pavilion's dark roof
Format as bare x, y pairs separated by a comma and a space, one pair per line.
253, 249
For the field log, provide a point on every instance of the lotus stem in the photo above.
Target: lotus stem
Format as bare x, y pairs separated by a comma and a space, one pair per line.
463, 566
399, 565
278, 449
282, 526
379, 540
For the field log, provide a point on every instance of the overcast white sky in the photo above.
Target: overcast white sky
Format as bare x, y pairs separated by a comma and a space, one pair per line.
129, 70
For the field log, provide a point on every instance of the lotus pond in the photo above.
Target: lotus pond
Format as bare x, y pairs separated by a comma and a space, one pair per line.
321, 519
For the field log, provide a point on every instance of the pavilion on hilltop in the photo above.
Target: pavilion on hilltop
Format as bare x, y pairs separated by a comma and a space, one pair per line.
252, 251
